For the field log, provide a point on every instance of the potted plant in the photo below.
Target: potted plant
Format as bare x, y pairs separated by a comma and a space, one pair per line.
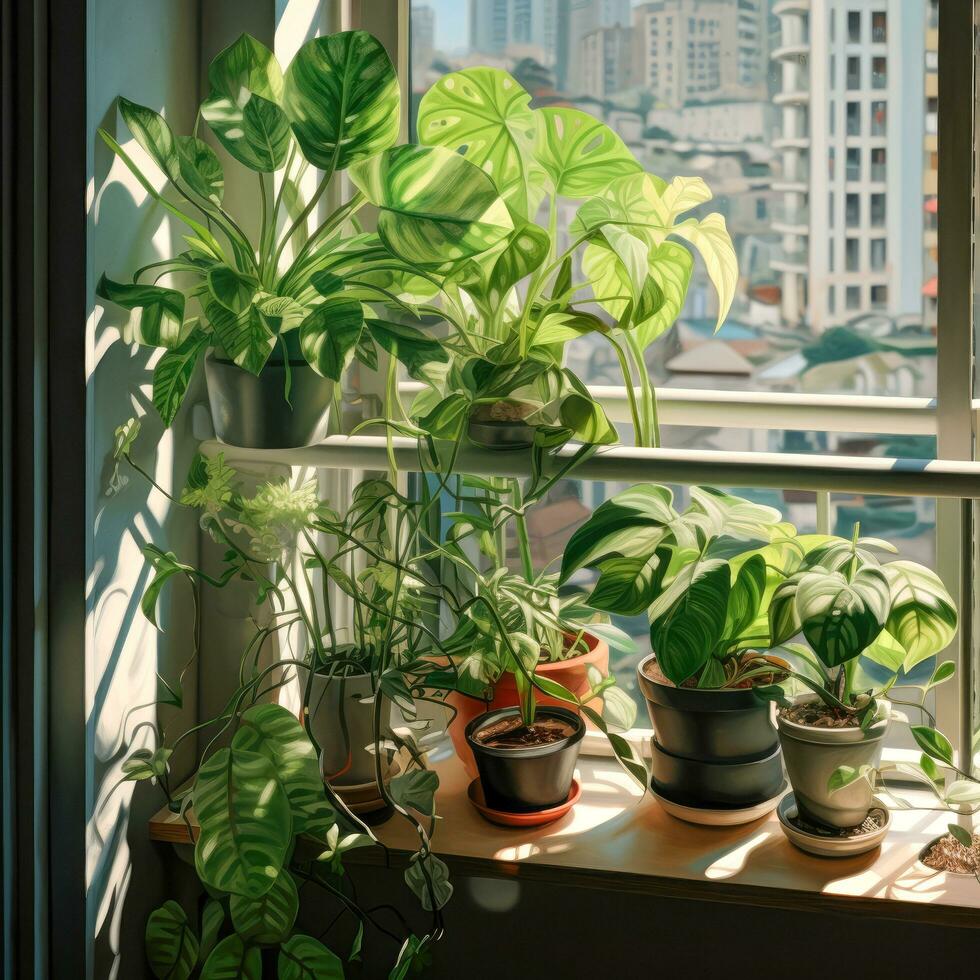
279, 318
852, 610
705, 577
514, 307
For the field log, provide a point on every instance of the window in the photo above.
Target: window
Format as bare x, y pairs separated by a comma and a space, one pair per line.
879, 73
853, 163
877, 254
853, 118
831, 297
853, 73
852, 248
879, 156
879, 119
853, 297
877, 210
854, 26
852, 210
879, 26
879, 297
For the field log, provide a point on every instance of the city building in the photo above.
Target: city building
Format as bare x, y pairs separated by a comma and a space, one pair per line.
423, 41
579, 19
606, 61
852, 211
691, 50
529, 27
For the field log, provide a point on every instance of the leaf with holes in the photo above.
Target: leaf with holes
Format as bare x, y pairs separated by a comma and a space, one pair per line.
171, 946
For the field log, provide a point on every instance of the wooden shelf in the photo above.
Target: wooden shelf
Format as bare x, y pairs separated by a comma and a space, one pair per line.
614, 840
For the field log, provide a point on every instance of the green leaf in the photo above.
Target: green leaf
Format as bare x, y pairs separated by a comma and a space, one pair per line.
428, 877
435, 206
628, 585
886, 651
485, 114
413, 959
626, 754
246, 337
411, 346
161, 320
245, 820
933, 743
584, 416
231, 959
845, 775
242, 108
165, 565
153, 134
416, 789
710, 237
630, 524
342, 99
273, 731
923, 614
124, 437
305, 958
491, 275
580, 154
447, 419
330, 334
746, 596
962, 835
618, 709
942, 673
670, 270
147, 764
282, 313
173, 374
200, 168
685, 636
963, 792
230, 288
171, 946
269, 918
212, 918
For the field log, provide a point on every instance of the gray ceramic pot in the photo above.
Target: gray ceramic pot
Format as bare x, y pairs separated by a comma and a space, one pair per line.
526, 779
812, 755
251, 411
343, 725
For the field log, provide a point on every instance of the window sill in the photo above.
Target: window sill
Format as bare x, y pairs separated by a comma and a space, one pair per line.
614, 840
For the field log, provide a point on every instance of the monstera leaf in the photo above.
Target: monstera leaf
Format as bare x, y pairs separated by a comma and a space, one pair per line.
485, 114
581, 155
272, 731
161, 319
630, 525
435, 207
243, 107
342, 99
269, 918
923, 615
246, 823
171, 946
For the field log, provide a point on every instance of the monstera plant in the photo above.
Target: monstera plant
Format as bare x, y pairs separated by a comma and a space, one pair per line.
513, 306
289, 295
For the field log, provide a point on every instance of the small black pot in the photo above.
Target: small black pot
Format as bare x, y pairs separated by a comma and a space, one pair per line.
692, 782
492, 434
709, 725
252, 412
526, 779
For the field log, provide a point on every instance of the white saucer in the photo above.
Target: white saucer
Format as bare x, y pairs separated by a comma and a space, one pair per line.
830, 846
709, 817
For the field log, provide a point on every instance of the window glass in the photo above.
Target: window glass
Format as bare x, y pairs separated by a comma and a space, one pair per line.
852, 210
724, 91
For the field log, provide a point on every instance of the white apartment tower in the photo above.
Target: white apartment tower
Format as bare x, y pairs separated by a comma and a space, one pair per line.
496, 25
852, 97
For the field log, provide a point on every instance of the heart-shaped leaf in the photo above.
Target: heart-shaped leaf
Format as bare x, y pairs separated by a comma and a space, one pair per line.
416, 789
173, 374
305, 958
161, 319
330, 334
923, 614
269, 918
171, 946
231, 959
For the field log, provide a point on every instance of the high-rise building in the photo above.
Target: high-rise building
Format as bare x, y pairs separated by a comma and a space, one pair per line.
423, 36
530, 25
606, 61
852, 94
580, 18
700, 50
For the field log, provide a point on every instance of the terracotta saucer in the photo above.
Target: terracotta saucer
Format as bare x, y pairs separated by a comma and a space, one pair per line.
534, 818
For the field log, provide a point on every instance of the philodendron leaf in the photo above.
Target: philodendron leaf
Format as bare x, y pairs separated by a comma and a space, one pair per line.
270, 917
670, 270
243, 109
428, 877
231, 959
246, 823
963, 792
627, 585
580, 154
845, 775
416, 789
923, 614
447, 418
435, 207
342, 99
272, 731
962, 835
152, 133
173, 374
618, 709
165, 566
161, 319
933, 743
245, 337
410, 345
485, 114
330, 334
200, 168
305, 958
710, 237
171, 945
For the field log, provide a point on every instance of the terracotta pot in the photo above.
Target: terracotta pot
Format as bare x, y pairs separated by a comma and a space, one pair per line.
571, 673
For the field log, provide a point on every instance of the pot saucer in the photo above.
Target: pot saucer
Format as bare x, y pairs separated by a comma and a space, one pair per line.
830, 844
534, 818
718, 816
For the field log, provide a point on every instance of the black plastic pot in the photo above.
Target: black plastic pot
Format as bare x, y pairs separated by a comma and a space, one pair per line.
526, 779
692, 782
712, 748
251, 411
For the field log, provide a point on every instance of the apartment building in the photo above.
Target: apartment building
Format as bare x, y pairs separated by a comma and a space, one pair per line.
606, 61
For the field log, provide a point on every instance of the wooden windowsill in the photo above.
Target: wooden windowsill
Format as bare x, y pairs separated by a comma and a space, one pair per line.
614, 840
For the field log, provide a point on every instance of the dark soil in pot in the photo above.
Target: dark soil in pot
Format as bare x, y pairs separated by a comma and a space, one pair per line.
501, 425
523, 769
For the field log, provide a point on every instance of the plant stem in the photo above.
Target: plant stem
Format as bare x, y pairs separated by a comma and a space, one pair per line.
651, 435
520, 524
